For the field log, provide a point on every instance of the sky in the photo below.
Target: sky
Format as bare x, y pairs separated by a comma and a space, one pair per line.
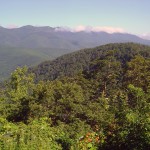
132, 16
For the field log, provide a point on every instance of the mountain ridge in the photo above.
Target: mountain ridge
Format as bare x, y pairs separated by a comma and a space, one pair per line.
73, 63
24, 36
30, 42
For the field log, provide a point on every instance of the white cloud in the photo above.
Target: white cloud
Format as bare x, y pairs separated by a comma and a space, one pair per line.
12, 26
63, 29
92, 29
145, 36
98, 29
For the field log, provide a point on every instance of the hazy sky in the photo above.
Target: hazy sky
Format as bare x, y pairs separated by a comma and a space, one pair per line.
132, 16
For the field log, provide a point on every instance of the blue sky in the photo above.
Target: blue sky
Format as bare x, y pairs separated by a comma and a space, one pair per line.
131, 16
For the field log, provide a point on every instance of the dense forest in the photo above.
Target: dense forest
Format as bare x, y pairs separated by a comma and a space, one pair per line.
73, 63
93, 99
30, 45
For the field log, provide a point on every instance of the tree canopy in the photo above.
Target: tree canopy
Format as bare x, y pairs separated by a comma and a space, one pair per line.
106, 105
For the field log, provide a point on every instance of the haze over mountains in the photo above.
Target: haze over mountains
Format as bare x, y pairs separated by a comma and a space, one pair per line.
29, 45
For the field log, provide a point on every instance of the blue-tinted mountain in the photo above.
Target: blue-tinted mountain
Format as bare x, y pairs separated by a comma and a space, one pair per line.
29, 45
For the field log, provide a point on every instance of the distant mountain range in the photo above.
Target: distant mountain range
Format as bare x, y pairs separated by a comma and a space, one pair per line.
29, 45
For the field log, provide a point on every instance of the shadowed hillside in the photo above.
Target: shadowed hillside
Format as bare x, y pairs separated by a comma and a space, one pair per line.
29, 45
71, 64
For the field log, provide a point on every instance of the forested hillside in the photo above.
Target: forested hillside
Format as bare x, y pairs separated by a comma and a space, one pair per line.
11, 57
73, 63
30, 45
93, 99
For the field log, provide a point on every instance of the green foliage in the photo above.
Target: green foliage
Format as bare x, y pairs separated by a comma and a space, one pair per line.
35, 136
104, 107
71, 64
18, 95
138, 72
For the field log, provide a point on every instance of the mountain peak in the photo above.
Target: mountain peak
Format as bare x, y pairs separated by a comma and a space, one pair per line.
27, 27
37, 28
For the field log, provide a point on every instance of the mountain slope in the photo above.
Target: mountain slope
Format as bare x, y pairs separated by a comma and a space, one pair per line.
31, 45
10, 58
104, 107
47, 37
73, 63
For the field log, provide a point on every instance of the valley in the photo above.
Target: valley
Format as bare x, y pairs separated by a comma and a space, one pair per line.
30, 45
